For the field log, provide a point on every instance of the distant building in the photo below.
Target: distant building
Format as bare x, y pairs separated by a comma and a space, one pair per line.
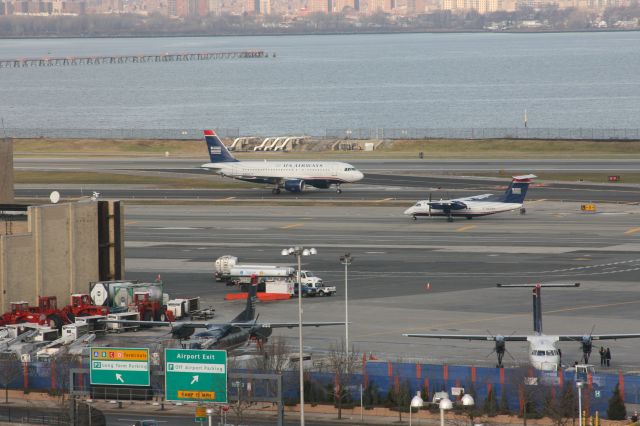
318, 6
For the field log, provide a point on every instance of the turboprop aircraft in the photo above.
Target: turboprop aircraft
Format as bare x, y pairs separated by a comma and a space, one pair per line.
230, 335
477, 205
292, 175
543, 353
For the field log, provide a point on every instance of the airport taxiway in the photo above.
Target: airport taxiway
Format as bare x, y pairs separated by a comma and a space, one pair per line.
412, 276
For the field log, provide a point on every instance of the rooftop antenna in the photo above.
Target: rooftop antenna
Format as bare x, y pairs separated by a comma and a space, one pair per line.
525, 119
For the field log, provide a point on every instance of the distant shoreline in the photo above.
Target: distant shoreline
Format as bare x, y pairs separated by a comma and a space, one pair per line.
328, 33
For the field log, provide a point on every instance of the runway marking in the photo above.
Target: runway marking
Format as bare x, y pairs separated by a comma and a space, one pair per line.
632, 231
383, 200
465, 228
293, 225
130, 222
536, 201
226, 199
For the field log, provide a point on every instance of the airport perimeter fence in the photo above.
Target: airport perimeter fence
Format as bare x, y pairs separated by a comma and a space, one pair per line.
485, 133
380, 377
344, 133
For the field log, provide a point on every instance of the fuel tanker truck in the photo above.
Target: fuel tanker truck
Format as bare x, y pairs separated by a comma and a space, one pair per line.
230, 271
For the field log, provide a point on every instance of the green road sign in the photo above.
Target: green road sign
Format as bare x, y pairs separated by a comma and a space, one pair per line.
195, 375
120, 366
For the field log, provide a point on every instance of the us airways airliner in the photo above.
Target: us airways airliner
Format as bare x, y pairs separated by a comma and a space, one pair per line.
478, 205
292, 176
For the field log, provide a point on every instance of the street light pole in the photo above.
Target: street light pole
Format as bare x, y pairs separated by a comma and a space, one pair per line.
579, 384
417, 403
300, 363
299, 252
346, 261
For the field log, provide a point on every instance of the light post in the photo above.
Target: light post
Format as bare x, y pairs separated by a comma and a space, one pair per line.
445, 404
467, 401
346, 261
298, 252
579, 385
209, 414
416, 402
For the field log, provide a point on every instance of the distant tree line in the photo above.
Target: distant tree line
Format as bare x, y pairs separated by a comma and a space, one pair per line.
315, 23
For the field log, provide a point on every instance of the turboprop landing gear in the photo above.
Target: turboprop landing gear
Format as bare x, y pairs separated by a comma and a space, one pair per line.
275, 191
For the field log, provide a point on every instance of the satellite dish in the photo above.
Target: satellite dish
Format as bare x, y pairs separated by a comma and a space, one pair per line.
54, 197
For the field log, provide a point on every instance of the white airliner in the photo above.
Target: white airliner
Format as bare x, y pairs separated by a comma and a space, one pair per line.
289, 175
478, 205
543, 353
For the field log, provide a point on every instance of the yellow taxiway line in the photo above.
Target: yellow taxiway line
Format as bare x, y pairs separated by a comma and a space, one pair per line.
632, 231
293, 225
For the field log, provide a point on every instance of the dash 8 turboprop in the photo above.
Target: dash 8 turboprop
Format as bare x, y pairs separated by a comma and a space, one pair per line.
477, 205
292, 175
543, 353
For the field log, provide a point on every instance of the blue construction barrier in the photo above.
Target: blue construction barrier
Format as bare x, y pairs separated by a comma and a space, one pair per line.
45, 376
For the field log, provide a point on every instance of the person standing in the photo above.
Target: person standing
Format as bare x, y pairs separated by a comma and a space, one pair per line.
608, 357
603, 354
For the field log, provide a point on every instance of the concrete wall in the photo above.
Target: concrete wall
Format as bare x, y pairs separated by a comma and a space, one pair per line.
6, 171
56, 257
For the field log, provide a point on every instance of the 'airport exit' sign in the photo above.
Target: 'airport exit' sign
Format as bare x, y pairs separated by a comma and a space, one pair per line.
120, 366
195, 375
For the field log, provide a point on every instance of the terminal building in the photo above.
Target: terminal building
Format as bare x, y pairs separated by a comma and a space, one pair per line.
55, 249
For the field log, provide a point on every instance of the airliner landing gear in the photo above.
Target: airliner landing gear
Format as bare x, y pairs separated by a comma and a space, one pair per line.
275, 191
338, 190
469, 217
523, 210
414, 217
449, 215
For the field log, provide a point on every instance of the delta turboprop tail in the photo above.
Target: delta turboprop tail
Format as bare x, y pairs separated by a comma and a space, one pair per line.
217, 151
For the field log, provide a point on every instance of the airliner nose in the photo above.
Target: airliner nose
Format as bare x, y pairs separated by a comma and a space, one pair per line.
409, 210
359, 175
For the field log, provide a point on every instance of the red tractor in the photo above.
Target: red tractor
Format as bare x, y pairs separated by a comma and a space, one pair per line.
46, 313
81, 306
150, 310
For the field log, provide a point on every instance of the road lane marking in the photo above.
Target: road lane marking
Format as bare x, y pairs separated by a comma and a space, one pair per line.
465, 228
293, 225
632, 231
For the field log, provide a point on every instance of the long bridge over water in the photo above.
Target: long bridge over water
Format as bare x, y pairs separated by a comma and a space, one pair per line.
124, 59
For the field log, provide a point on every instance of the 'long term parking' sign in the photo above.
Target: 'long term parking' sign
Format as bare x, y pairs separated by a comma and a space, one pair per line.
195, 375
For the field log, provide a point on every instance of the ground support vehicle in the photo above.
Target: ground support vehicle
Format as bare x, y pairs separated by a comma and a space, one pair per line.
119, 327
46, 313
323, 290
81, 306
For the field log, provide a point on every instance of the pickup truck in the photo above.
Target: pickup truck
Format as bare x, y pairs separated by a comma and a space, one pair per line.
306, 290
323, 290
